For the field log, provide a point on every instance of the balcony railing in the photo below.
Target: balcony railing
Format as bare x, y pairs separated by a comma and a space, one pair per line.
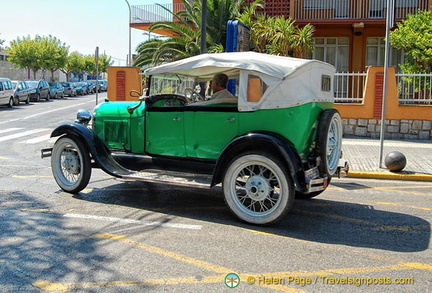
414, 88
154, 12
354, 9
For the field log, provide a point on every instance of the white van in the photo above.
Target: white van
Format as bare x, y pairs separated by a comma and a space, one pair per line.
6, 92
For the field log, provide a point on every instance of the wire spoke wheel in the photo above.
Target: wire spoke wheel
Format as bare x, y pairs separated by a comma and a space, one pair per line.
71, 165
257, 190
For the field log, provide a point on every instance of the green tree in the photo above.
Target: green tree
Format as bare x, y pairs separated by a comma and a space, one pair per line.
74, 63
278, 35
37, 53
24, 53
1, 44
414, 36
89, 64
54, 54
104, 62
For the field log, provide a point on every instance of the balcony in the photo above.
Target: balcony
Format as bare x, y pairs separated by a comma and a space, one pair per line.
364, 10
142, 16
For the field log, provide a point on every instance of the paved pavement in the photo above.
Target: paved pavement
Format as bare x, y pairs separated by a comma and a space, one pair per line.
363, 158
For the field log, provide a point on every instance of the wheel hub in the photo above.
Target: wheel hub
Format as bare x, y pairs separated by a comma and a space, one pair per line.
257, 188
71, 164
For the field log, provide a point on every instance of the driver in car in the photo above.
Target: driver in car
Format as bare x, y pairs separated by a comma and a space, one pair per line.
220, 95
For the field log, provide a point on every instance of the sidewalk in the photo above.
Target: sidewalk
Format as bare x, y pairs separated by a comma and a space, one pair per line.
363, 158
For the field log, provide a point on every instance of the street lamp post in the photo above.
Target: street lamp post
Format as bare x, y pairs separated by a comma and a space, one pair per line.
130, 54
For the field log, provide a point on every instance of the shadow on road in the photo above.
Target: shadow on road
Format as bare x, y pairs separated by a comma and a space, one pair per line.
317, 220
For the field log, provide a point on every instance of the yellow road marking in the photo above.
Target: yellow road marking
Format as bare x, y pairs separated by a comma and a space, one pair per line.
62, 287
400, 205
154, 249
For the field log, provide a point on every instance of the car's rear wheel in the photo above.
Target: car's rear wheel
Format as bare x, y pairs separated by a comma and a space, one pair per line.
70, 164
257, 189
11, 102
27, 101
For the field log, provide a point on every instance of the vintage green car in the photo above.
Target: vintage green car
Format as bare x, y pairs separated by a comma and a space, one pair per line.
279, 140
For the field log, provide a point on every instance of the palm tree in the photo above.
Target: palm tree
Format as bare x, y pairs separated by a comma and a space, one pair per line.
304, 44
187, 27
279, 35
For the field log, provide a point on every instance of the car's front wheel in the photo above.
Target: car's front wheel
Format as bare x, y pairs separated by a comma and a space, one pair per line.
70, 164
258, 189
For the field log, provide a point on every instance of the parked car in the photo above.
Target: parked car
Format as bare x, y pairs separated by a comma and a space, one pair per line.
80, 88
6, 92
91, 84
56, 90
21, 92
69, 89
281, 139
40, 89
103, 85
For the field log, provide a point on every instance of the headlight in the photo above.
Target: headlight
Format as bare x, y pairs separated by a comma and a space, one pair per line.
83, 117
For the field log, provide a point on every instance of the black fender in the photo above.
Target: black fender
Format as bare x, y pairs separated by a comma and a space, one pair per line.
269, 142
95, 146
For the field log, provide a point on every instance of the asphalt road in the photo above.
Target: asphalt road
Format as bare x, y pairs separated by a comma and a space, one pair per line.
127, 236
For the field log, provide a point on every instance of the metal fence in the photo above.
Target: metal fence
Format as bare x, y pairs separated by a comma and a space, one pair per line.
349, 86
414, 88
359, 9
154, 12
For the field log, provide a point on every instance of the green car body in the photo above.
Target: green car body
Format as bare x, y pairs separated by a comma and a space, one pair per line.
281, 139
201, 134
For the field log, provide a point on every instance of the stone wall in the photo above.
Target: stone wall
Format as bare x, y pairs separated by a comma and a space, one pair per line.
393, 129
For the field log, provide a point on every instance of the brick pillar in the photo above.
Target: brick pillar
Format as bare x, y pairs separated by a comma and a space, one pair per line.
121, 86
379, 87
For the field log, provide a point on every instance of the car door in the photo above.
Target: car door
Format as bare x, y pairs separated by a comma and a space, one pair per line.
209, 129
165, 130
3, 97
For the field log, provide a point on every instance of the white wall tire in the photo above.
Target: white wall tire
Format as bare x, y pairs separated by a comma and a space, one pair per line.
70, 164
257, 189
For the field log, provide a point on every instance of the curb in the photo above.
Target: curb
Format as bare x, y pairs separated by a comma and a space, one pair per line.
389, 175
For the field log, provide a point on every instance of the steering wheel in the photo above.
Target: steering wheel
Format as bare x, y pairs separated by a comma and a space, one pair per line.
192, 95
157, 98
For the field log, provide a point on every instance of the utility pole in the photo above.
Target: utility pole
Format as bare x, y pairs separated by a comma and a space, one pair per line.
129, 58
389, 24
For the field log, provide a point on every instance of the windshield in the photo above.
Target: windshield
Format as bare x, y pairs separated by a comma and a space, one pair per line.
171, 84
33, 83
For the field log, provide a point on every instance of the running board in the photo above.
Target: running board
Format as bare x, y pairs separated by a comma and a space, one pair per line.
172, 178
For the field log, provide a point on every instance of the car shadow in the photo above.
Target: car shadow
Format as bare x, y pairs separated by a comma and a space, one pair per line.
317, 220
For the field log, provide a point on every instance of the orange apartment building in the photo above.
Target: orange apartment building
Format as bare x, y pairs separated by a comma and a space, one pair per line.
350, 35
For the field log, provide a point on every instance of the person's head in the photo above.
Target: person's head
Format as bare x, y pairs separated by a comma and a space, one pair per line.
219, 82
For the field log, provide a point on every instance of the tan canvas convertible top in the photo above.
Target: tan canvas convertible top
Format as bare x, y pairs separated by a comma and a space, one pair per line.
289, 81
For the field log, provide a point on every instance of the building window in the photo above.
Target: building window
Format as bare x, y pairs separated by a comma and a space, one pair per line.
334, 51
375, 53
